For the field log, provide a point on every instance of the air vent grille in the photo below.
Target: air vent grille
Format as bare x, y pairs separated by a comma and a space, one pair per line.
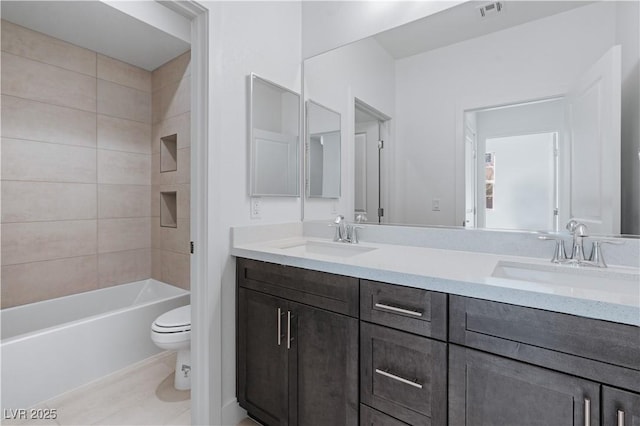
491, 9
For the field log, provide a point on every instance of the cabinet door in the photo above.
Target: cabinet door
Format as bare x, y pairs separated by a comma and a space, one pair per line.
323, 368
262, 362
620, 408
489, 390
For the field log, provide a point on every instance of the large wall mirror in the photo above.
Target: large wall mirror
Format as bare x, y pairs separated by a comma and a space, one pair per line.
521, 119
323, 151
274, 123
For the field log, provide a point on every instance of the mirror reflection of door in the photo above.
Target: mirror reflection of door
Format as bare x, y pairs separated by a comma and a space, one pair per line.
369, 126
512, 173
538, 164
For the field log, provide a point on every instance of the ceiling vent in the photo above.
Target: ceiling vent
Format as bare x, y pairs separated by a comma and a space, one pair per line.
491, 9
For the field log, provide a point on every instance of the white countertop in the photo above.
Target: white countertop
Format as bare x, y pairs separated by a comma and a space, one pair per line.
462, 273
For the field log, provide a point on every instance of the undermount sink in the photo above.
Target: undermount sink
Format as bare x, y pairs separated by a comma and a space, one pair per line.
567, 275
302, 248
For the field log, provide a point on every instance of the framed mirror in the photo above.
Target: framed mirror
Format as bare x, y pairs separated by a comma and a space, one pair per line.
274, 125
323, 151
470, 101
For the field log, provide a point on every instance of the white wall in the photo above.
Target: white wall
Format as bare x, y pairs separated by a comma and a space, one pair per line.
330, 24
362, 70
245, 37
526, 62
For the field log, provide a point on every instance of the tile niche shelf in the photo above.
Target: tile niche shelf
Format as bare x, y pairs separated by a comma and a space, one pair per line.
169, 153
168, 209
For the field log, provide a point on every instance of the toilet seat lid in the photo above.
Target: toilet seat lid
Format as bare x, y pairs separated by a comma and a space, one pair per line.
178, 319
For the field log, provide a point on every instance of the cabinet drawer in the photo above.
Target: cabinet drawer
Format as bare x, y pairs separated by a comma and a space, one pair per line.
403, 375
409, 309
371, 417
599, 350
335, 293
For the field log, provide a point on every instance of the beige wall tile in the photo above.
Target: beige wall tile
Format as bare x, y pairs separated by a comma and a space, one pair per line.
25, 119
184, 201
123, 234
123, 102
155, 201
46, 201
37, 241
174, 70
117, 167
175, 269
123, 267
173, 99
155, 169
121, 201
156, 263
33, 80
50, 162
122, 73
36, 281
176, 239
156, 234
179, 125
123, 135
40, 47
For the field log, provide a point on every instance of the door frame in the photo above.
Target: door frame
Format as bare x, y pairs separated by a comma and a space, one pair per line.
206, 401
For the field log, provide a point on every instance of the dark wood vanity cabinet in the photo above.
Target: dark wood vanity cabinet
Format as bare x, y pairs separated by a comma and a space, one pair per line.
485, 389
510, 364
620, 408
297, 363
318, 349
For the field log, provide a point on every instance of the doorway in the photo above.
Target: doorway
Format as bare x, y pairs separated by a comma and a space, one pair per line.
370, 135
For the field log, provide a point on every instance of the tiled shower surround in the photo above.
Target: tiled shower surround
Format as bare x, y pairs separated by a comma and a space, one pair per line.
80, 169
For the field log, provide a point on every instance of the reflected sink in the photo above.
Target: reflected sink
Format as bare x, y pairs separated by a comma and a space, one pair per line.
303, 248
567, 275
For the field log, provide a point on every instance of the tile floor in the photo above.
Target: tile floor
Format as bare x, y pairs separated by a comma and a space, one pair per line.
142, 394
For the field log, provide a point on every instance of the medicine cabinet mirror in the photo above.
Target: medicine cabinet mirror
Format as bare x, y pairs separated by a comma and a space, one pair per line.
274, 123
323, 151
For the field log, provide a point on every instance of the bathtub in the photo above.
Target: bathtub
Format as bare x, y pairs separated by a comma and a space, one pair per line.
53, 346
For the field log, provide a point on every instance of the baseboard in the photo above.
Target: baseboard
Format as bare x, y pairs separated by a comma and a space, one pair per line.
232, 413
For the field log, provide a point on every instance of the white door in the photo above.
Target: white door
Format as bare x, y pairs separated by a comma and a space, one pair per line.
592, 172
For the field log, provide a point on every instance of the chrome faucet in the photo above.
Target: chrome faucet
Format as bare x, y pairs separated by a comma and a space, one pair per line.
578, 232
345, 233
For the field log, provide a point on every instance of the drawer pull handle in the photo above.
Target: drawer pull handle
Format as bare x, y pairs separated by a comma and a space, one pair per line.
398, 378
279, 326
398, 310
288, 329
620, 418
587, 412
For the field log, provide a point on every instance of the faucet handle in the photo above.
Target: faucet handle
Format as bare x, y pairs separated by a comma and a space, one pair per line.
559, 253
596, 257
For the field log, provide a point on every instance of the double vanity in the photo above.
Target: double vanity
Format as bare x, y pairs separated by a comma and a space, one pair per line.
330, 333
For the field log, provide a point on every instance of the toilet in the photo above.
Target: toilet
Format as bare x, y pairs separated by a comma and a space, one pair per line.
172, 330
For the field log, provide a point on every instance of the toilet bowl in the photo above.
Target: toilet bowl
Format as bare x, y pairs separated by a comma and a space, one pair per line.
172, 330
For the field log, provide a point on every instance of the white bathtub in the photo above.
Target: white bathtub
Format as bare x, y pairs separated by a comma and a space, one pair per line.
53, 346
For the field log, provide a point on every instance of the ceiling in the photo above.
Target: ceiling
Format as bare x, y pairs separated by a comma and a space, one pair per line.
464, 22
100, 27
